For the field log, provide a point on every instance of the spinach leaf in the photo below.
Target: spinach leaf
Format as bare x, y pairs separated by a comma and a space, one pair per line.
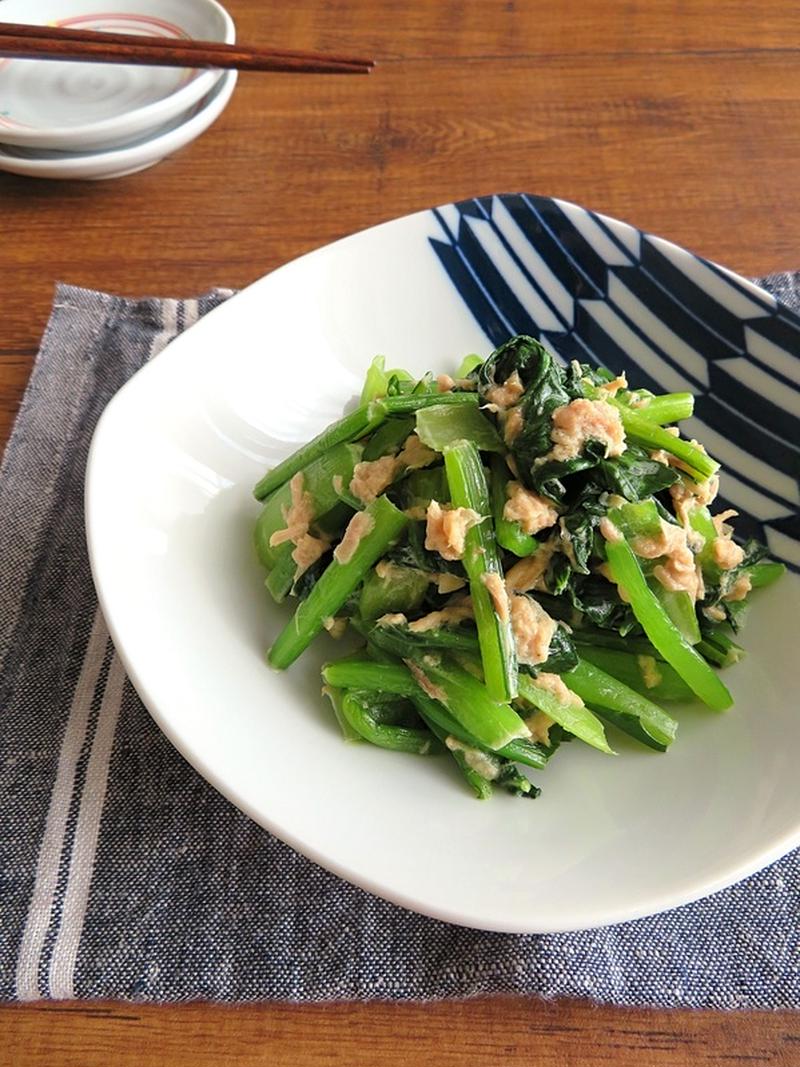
303, 585
563, 655
545, 388
525, 355
735, 610
581, 522
635, 476
600, 604
411, 552
548, 478
559, 574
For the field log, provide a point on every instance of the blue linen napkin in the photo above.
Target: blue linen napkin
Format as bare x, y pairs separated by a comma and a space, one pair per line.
124, 875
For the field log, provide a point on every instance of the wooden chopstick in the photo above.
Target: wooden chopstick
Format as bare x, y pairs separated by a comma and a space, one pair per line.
22, 41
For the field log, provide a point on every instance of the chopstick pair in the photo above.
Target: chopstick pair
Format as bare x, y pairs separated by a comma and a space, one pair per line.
22, 41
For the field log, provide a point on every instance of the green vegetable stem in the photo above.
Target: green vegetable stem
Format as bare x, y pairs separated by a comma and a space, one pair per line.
468, 489
338, 581
660, 629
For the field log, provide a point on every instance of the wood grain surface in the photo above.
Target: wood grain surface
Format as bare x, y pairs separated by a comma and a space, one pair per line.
513, 1032
680, 116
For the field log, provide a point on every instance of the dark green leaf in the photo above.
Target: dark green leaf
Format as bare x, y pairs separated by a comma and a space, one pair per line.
303, 585
548, 478
563, 655
635, 476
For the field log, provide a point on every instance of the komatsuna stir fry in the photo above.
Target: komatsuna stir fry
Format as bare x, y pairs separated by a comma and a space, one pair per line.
528, 554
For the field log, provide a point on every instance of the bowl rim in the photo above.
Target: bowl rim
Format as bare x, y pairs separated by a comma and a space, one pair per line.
216, 100
137, 120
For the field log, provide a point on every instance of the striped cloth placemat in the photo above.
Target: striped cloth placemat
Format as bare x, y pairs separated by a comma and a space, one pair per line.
123, 874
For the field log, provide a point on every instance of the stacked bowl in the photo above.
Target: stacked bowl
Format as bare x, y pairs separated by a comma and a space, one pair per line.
98, 120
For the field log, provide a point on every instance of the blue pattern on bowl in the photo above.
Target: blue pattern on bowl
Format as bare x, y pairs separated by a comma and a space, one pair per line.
598, 290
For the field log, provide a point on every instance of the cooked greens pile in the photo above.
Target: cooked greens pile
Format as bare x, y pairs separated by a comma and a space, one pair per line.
526, 552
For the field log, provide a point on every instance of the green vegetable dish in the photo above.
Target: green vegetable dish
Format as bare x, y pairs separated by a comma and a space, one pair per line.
526, 553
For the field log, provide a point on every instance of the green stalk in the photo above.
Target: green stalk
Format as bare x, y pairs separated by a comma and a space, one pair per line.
280, 579
388, 438
365, 674
681, 609
642, 431
660, 629
377, 379
515, 783
597, 638
701, 522
640, 519
719, 649
765, 573
360, 422
403, 405
397, 738
492, 722
468, 489
361, 673
509, 533
337, 582
467, 365
336, 696
632, 712
420, 487
318, 478
574, 718
444, 424
405, 644
480, 786
521, 750
627, 668
402, 590
663, 409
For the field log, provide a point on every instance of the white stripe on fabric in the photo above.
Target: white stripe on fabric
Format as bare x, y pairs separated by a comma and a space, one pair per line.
667, 340
169, 327
592, 232
709, 281
84, 846
762, 384
49, 861
639, 351
514, 278
535, 265
191, 313
766, 351
734, 458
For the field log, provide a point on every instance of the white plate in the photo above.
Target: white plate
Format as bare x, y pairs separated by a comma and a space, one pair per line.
83, 107
170, 517
118, 162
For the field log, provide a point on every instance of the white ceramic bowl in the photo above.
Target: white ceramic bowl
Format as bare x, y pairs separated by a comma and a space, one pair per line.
131, 158
82, 107
170, 515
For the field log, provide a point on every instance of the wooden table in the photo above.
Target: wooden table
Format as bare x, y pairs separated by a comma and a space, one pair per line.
680, 116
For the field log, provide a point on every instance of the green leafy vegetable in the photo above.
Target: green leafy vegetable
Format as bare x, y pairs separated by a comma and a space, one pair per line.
627, 593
